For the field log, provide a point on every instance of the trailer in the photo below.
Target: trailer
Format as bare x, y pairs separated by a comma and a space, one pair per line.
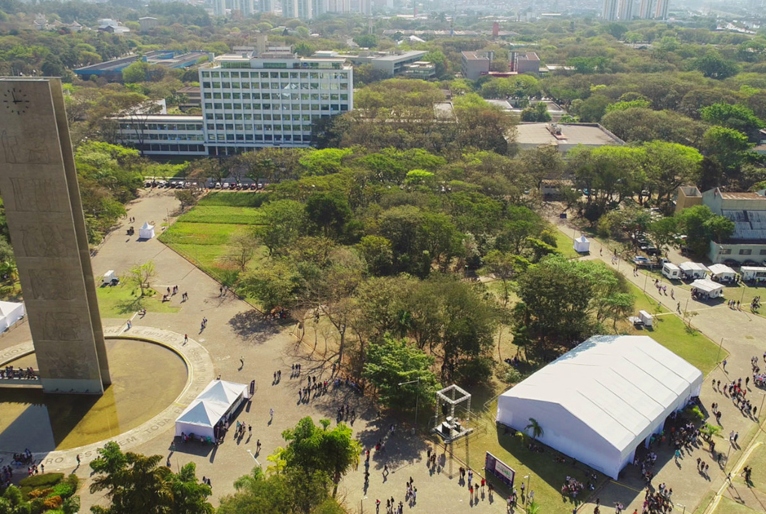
671, 271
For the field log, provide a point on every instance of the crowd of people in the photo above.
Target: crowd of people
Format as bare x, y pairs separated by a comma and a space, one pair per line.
16, 373
659, 501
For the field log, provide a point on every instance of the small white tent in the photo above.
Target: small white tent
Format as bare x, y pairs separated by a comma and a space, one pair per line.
707, 288
216, 401
600, 401
146, 231
582, 245
693, 270
722, 273
10, 313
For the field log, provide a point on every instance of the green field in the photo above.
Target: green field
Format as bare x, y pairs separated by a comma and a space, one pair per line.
565, 245
202, 234
671, 332
122, 301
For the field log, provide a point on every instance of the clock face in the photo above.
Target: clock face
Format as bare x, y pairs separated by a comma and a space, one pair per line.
15, 100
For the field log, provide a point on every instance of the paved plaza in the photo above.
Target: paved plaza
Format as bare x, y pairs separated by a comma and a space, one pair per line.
235, 332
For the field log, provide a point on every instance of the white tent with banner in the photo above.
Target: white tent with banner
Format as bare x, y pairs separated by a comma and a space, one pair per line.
706, 288
582, 245
598, 402
10, 313
217, 401
146, 231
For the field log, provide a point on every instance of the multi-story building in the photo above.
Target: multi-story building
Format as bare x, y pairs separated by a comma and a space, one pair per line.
645, 9
219, 7
163, 135
271, 100
625, 10
525, 62
661, 11
474, 64
302, 9
609, 11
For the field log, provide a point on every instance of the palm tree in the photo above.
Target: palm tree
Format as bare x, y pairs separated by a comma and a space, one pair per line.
533, 507
534, 428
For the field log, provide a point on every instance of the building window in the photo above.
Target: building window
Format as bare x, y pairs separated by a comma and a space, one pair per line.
762, 252
746, 251
725, 251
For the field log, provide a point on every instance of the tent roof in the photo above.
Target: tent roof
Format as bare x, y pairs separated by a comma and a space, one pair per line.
689, 266
752, 269
617, 385
205, 414
8, 307
221, 391
582, 239
146, 226
718, 269
707, 285
670, 265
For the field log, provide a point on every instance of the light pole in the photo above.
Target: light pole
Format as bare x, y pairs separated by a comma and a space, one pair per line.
526, 495
417, 397
719, 350
683, 507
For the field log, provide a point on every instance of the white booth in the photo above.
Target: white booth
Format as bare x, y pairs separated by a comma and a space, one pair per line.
582, 245
216, 403
110, 278
602, 400
10, 313
693, 270
753, 273
705, 288
671, 271
722, 273
646, 318
146, 231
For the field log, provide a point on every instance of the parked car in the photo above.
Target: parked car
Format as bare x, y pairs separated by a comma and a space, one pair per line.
750, 262
640, 260
651, 250
731, 263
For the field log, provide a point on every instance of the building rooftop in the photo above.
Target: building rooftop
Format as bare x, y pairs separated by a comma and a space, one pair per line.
475, 56
743, 195
570, 134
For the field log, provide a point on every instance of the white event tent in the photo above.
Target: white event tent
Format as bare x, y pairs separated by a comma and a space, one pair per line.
707, 287
598, 402
216, 401
722, 273
10, 313
146, 231
693, 269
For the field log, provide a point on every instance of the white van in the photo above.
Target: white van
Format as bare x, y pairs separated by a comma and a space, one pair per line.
671, 271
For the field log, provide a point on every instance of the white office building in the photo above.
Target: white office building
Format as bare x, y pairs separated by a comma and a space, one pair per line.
163, 135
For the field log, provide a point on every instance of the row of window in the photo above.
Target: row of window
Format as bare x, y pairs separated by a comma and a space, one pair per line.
173, 148
277, 96
259, 137
260, 117
165, 126
276, 107
274, 75
132, 136
276, 85
249, 127
743, 251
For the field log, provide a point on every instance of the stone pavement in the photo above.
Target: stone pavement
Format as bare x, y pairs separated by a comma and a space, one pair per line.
235, 331
739, 333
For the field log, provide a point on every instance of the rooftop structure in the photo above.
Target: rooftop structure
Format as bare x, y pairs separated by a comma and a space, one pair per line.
564, 136
525, 62
392, 64
112, 70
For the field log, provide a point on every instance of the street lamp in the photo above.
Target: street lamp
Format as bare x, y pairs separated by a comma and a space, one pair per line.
682, 506
417, 397
528, 477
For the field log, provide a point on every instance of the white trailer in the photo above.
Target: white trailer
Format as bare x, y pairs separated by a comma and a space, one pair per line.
646, 318
671, 271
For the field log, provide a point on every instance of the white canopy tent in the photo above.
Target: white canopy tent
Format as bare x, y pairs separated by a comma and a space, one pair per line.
757, 273
10, 313
217, 400
722, 273
600, 401
582, 245
693, 269
707, 287
146, 231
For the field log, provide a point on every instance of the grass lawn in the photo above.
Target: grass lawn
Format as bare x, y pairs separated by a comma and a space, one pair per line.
547, 475
203, 233
671, 332
727, 506
122, 300
565, 245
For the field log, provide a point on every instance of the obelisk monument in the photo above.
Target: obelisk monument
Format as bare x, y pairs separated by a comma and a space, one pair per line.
38, 184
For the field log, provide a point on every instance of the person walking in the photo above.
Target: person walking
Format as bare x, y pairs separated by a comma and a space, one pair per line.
271, 414
186, 339
241, 362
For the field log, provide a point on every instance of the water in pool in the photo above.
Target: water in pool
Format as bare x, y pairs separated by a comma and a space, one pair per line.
146, 378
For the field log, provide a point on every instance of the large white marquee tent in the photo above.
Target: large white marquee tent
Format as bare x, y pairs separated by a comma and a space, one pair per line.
600, 401
217, 400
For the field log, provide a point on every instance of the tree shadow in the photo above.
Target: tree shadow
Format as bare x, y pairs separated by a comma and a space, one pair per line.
253, 327
129, 306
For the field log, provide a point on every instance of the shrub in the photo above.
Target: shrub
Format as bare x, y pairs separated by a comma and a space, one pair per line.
71, 505
45, 479
73, 481
63, 489
53, 502
511, 375
40, 493
709, 430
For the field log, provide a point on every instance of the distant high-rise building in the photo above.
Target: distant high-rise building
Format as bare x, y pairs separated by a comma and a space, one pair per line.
610, 10
626, 10
645, 9
365, 7
265, 6
318, 7
661, 12
219, 7
244, 7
